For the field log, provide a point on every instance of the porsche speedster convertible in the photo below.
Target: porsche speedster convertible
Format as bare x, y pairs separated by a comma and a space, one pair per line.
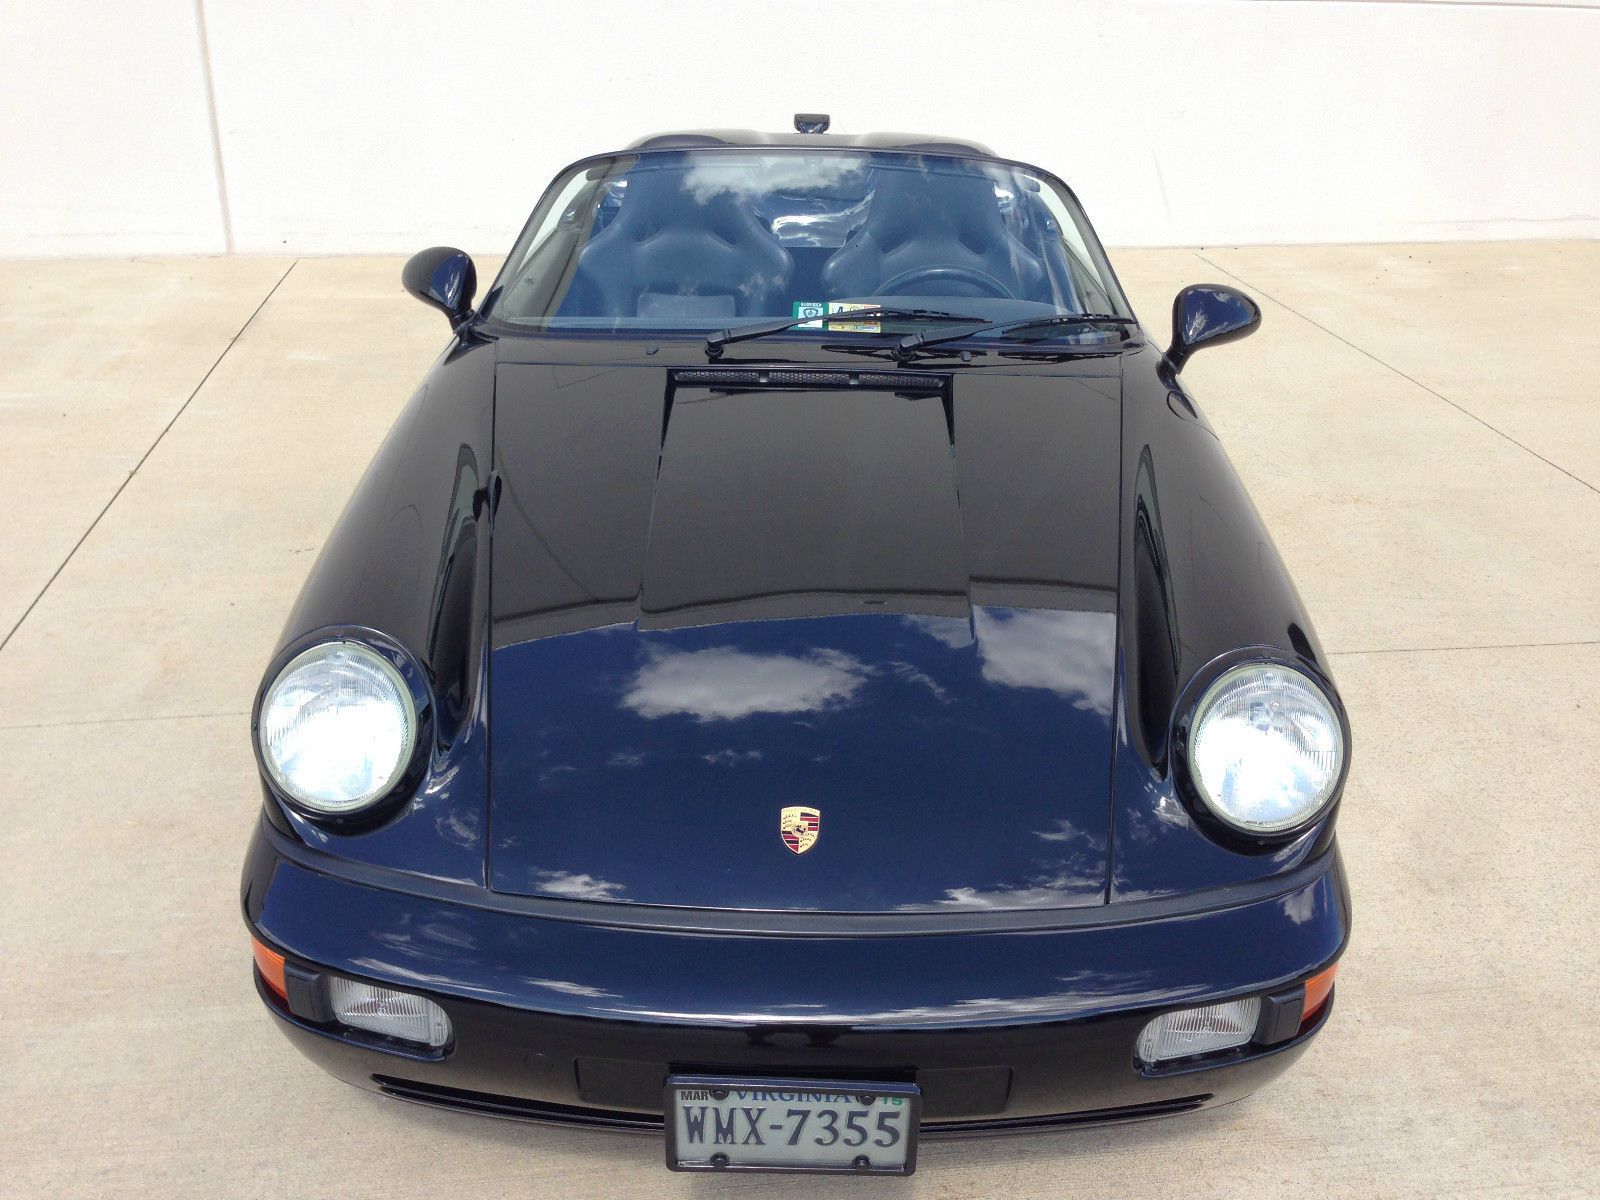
801, 676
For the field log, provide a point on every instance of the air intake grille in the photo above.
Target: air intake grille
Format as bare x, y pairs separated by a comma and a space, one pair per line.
744, 377
565, 1114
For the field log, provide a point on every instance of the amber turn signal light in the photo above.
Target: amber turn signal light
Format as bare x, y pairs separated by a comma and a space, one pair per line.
1318, 988
270, 964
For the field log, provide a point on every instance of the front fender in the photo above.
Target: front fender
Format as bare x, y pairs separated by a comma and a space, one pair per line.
1200, 580
410, 556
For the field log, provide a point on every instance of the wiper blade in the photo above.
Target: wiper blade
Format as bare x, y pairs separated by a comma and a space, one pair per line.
727, 337
909, 345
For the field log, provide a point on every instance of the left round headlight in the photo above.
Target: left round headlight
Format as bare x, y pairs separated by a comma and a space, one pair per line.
337, 728
1266, 749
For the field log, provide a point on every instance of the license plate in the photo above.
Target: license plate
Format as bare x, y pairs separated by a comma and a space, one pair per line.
720, 1124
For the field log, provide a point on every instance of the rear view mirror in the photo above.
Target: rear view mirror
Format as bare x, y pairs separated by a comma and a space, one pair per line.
445, 278
1209, 314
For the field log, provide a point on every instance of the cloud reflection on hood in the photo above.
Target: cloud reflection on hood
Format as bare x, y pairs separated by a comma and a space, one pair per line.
1069, 653
723, 684
574, 886
1064, 651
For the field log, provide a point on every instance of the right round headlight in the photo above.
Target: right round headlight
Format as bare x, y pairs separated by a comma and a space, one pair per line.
1266, 749
337, 728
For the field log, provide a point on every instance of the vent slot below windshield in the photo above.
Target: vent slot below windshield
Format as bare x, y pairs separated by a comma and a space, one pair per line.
743, 378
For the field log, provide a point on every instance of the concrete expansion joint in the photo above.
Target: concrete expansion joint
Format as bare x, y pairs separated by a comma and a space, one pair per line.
143, 458
1461, 408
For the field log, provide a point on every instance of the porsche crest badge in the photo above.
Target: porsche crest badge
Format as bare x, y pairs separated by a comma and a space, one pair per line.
800, 827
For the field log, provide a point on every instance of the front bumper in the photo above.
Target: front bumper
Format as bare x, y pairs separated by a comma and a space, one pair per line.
577, 1021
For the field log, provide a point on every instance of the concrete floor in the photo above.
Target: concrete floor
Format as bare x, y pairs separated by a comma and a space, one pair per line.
1417, 423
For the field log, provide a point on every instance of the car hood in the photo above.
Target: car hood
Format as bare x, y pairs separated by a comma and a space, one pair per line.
719, 597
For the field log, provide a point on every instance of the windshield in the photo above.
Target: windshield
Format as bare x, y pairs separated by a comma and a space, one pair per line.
704, 239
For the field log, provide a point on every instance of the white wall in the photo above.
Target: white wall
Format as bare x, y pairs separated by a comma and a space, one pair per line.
105, 144
387, 126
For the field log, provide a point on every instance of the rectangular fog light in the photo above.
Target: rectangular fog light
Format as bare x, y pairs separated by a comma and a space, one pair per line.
1192, 1031
388, 1012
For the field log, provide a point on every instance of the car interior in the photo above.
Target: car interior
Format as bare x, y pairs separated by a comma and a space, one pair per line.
672, 241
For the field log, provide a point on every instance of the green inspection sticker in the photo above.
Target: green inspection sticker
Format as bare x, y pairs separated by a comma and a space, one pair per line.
809, 308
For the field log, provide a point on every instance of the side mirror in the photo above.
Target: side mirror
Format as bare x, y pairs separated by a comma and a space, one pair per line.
1208, 314
445, 278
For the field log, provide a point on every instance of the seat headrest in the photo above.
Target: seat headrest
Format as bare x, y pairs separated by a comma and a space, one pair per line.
960, 204
663, 199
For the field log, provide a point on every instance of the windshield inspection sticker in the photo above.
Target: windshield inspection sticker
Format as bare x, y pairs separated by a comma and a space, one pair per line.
851, 326
811, 309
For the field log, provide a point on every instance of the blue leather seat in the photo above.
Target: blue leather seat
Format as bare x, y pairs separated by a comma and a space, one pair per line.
681, 253
946, 220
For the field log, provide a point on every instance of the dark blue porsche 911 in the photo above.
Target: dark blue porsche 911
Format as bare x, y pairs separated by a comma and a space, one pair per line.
801, 675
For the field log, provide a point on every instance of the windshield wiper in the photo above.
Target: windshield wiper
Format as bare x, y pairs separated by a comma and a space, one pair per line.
745, 333
909, 345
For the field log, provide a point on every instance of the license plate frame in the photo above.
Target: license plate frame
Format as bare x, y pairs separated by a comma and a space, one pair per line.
907, 1096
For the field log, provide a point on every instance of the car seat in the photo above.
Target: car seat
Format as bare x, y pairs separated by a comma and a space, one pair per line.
678, 251
934, 233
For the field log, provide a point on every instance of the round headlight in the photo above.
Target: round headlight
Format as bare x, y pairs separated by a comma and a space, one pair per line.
1265, 748
337, 728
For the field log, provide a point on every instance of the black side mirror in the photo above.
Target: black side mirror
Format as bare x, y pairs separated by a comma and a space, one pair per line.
1208, 314
445, 278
